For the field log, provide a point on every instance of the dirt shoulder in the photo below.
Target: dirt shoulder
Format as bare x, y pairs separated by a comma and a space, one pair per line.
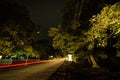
77, 71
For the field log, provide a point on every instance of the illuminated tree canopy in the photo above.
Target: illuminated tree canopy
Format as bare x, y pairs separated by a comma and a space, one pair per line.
103, 31
105, 26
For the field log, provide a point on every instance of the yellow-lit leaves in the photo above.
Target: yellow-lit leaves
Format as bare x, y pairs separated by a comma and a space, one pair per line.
90, 46
108, 19
75, 24
53, 31
6, 46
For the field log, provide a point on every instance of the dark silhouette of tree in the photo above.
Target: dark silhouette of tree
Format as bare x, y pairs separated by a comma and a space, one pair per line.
45, 49
14, 13
16, 25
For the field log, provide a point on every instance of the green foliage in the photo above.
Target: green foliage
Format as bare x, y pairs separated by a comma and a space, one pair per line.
65, 41
18, 38
104, 26
20, 52
16, 29
29, 50
75, 24
107, 20
6, 46
70, 36
60, 39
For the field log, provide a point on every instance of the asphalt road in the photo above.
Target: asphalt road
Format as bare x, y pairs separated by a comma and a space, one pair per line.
41, 71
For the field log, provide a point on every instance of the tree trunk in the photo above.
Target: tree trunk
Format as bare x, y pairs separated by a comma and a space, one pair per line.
94, 63
27, 59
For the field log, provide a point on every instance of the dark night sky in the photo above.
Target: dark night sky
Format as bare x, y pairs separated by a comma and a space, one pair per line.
44, 12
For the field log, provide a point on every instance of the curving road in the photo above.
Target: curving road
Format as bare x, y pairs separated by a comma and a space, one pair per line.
40, 71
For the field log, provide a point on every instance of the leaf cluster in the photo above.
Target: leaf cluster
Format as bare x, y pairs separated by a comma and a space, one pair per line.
105, 25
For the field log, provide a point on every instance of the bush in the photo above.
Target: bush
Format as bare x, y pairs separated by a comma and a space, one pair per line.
5, 61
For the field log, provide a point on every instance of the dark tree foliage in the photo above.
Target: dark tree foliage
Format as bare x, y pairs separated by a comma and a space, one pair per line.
84, 9
89, 7
45, 49
16, 25
14, 13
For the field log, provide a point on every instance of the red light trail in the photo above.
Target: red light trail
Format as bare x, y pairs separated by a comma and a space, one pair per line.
23, 64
